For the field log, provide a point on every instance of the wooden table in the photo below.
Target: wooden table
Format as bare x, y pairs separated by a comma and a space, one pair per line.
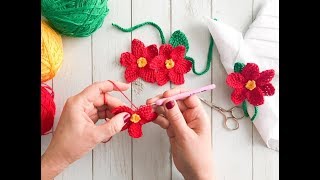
238, 155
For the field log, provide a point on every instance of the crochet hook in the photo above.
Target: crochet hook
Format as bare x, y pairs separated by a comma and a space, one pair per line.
183, 95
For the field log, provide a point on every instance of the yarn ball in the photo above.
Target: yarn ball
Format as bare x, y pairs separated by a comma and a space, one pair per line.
48, 108
77, 18
51, 52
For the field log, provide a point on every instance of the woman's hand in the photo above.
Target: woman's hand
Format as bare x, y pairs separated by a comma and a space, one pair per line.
189, 130
76, 133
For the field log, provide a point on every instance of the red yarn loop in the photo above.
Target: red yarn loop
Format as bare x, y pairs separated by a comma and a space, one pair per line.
48, 108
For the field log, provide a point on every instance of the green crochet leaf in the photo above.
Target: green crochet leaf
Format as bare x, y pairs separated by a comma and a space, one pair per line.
238, 67
179, 38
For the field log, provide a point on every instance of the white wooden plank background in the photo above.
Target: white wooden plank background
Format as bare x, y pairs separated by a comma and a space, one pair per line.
238, 155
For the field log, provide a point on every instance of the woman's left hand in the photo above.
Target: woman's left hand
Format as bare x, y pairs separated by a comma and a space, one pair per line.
76, 133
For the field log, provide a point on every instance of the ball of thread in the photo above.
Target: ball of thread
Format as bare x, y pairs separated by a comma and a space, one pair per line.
48, 108
76, 18
51, 52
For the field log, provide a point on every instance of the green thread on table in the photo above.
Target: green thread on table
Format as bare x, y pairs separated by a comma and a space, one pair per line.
245, 111
255, 114
163, 40
209, 59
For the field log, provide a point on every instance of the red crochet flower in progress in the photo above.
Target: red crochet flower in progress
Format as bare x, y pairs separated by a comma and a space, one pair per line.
170, 64
250, 84
142, 115
138, 62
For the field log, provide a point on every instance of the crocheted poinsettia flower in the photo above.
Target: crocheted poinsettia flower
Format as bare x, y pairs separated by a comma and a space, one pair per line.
142, 115
250, 84
170, 64
137, 62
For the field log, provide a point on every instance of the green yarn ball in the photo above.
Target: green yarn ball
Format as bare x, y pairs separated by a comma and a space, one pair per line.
77, 18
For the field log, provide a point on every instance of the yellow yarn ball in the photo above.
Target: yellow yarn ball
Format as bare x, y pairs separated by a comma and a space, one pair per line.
51, 52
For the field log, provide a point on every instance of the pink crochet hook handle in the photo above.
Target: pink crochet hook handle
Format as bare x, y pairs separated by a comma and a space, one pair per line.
183, 95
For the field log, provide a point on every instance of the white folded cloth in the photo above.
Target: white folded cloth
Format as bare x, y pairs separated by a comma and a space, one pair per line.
260, 45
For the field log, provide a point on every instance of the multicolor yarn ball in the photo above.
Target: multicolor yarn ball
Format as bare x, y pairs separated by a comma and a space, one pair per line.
51, 52
76, 18
48, 108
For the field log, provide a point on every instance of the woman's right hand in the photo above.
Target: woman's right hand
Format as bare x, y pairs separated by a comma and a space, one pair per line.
189, 130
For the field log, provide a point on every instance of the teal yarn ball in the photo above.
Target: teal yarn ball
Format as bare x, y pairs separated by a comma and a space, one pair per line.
76, 18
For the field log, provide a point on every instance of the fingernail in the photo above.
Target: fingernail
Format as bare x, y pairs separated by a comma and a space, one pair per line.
126, 118
107, 140
169, 105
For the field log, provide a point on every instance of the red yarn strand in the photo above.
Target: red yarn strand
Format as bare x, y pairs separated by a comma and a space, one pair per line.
123, 94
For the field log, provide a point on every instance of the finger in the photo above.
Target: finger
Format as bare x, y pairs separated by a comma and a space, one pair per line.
154, 99
175, 117
192, 102
159, 109
107, 140
111, 127
92, 92
176, 91
162, 121
108, 100
101, 108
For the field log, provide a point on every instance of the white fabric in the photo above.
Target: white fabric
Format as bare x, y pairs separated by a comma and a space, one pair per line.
260, 45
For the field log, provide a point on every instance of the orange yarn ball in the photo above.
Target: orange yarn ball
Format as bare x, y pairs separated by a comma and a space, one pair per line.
51, 52
48, 108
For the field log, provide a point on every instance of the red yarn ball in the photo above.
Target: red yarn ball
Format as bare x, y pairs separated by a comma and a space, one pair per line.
48, 108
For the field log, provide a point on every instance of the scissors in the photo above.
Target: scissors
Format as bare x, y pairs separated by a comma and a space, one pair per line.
234, 116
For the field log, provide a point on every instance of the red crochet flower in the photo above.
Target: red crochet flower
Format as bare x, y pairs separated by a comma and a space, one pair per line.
170, 64
251, 85
138, 62
143, 115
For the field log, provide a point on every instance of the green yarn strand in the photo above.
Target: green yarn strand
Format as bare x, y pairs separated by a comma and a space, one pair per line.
163, 40
245, 110
209, 59
255, 113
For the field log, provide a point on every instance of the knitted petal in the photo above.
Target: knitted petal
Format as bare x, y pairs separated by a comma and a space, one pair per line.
265, 77
255, 97
135, 130
162, 77
250, 71
165, 50
137, 48
146, 114
131, 74
183, 66
121, 109
151, 52
235, 80
178, 53
176, 78
157, 62
238, 96
267, 89
147, 75
127, 59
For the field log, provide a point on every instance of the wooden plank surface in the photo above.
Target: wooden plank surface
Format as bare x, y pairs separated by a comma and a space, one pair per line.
186, 16
232, 150
74, 75
238, 155
112, 160
151, 152
265, 161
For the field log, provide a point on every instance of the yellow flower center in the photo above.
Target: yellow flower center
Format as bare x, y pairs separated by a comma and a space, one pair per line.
142, 62
135, 118
169, 63
251, 84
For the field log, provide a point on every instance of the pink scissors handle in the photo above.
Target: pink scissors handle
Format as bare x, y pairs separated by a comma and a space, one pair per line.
186, 94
